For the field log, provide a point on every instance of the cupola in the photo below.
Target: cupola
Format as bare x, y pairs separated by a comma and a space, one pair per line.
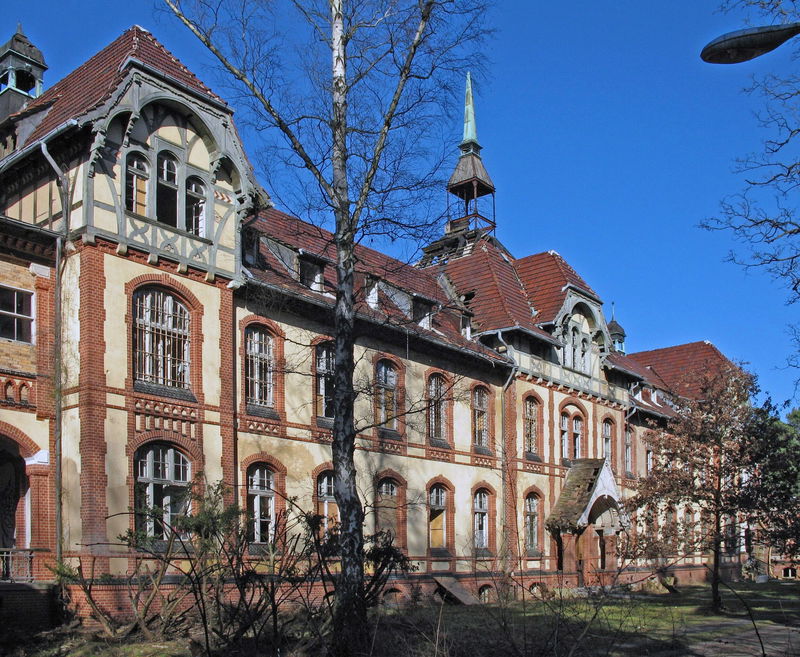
617, 333
22, 70
470, 180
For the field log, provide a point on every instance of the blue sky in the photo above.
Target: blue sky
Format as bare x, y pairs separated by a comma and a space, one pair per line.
608, 139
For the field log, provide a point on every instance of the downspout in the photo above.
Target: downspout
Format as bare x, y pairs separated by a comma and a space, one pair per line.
63, 188
504, 460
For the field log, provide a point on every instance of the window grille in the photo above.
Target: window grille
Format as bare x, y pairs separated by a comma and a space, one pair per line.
161, 339
531, 420
259, 367
480, 417
436, 409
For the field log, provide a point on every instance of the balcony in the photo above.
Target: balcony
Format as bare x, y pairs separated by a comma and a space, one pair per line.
16, 565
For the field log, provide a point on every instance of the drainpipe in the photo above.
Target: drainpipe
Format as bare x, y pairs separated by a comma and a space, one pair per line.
504, 461
63, 188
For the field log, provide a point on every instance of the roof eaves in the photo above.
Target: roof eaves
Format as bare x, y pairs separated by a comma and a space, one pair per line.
153, 70
29, 148
250, 279
544, 338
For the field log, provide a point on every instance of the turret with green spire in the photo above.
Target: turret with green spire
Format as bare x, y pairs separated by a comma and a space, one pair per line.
470, 181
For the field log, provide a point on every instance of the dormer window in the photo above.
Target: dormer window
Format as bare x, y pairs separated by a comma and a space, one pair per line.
167, 190
310, 273
421, 312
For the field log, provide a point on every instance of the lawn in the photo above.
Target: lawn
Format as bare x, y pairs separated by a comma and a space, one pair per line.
618, 624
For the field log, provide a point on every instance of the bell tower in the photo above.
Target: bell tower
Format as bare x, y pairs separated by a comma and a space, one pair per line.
22, 70
470, 181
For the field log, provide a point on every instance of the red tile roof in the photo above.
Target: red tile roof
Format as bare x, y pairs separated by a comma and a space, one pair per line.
545, 277
297, 234
682, 367
93, 82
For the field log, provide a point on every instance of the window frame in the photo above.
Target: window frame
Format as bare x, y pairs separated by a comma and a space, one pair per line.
324, 380
17, 316
440, 505
146, 485
326, 505
481, 418
257, 496
480, 520
137, 183
260, 391
530, 421
386, 391
607, 436
437, 417
532, 518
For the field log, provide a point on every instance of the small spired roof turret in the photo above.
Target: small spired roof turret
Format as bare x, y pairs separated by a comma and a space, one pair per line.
616, 332
22, 70
470, 180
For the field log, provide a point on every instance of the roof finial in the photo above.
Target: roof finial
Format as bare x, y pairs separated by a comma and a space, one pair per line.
19, 28
612, 311
470, 127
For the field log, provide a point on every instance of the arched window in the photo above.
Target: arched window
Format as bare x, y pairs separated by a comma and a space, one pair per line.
564, 427
532, 523
436, 408
324, 379
137, 173
531, 422
261, 503
485, 594
162, 488
326, 502
386, 395
608, 431
195, 206
259, 367
160, 339
480, 417
437, 516
585, 351
387, 506
480, 519
167, 189
577, 436
575, 343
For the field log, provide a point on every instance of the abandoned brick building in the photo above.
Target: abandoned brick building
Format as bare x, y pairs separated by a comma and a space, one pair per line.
154, 329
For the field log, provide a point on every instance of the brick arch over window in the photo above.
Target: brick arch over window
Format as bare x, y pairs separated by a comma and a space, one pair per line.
398, 505
277, 410
27, 447
443, 522
174, 287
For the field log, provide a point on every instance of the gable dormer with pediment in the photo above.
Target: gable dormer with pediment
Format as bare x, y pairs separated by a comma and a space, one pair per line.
168, 176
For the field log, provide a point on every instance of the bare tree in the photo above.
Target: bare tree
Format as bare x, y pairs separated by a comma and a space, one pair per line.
348, 90
764, 214
698, 459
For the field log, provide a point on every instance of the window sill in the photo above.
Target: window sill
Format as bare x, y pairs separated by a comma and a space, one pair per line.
483, 553
324, 422
439, 444
262, 411
389, 434
159, 390
533, 456
484, 451
440, 553
533, 554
